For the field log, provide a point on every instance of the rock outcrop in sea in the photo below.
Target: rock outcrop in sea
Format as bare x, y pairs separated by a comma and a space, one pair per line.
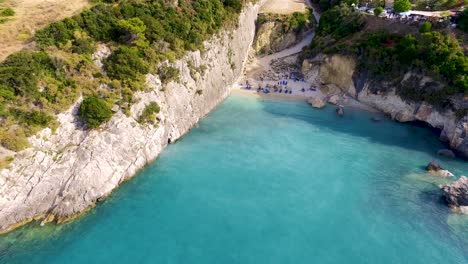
66, 172
435, 169
340, 111
317, 102
456, 194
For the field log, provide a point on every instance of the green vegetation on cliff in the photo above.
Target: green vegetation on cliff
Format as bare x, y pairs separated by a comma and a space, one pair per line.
402, 5
149, 113
463, 21
35, 85
389, 56
94, 111
296, 22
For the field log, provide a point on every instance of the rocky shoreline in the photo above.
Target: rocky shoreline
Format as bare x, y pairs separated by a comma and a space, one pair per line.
336, 75
65, 173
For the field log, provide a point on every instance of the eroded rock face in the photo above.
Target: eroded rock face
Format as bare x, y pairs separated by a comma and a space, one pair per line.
273, 34
456, 194
66, 172
334, 99
336, 74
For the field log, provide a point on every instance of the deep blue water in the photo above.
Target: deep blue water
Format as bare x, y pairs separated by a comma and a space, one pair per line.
265, 181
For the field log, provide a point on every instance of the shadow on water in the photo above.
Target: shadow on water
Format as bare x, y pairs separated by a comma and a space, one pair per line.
358, 123
423, 194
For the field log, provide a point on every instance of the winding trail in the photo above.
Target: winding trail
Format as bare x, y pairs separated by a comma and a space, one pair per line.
263, 64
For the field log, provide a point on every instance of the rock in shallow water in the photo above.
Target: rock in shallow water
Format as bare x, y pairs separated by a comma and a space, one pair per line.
456, 194
316, 102
340, 111
435, 169
446, 153
334, 99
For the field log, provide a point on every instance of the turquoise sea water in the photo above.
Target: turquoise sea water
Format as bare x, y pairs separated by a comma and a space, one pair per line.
265, 181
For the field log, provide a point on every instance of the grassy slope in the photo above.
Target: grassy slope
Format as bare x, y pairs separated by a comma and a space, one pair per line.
31, 15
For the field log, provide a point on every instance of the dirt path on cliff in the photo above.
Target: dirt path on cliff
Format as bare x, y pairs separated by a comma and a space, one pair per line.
31, 15
259, 65
263, 64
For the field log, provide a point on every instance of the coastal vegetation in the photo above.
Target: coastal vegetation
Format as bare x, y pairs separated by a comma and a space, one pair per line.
389, 55
94, 111
463, 21
378, 11
149, 113
145, 37
296, 22
7, 12
402, 5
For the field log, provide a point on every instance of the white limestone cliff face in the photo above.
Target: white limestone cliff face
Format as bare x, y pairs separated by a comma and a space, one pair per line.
334, 74
270, 38
66, 172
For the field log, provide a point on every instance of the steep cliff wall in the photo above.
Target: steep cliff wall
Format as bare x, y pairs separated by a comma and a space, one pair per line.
66, 172
336, 74
276, 32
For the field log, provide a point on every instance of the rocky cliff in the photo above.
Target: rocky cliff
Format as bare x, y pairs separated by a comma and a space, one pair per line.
337, 74
64, 173
276, 32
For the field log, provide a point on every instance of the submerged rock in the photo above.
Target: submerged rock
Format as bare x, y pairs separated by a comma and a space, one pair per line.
435, 169
446, 153
317, 102
456, 194
334, 99
340, 111
376, 119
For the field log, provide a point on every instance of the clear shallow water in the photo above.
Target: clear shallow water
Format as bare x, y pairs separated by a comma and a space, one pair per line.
264, 181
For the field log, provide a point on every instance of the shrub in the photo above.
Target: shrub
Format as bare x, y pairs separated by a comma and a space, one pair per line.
133, 32
32, 118
22, 71
7, 12
340, 21
425, 27
324, 5
402, 5
94, 112
4, 162
126, 64
235, 5
149, 113
168, 74
296, 22
378, 11
57, 33
463, 21
13, 138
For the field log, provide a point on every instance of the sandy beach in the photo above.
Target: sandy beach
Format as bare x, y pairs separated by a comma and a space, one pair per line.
260, 74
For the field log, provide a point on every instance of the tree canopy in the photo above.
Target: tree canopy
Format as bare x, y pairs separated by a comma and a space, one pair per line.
402, 5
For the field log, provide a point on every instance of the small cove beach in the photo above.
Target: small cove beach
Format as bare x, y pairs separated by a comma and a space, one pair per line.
277, 75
